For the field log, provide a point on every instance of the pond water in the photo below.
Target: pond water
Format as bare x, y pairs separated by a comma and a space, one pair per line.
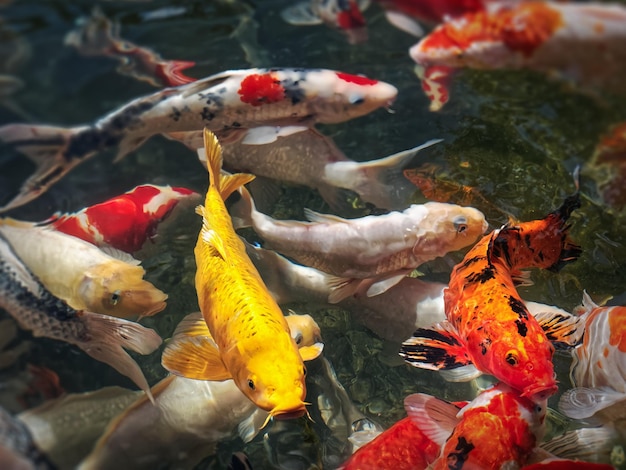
516, 137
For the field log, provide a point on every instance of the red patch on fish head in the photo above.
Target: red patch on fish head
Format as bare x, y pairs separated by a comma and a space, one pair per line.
260, 89
350, 18
356, 79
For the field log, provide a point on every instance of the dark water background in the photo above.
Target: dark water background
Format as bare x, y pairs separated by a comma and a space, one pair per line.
514, 136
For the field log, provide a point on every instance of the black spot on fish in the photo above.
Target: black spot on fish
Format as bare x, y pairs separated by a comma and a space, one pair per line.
518, 307
222, 90
236, 124
175, 115
88, 141
206, 114
471, 261
293, 91
214, 100
484, 345
127, 116
522, 329
456, 460
483, 276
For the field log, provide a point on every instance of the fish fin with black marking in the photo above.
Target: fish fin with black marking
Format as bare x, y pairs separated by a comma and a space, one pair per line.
564, 330
435, 349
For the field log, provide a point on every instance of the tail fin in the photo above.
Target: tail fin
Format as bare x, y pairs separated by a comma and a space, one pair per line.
225, 183
45, 146
109, 337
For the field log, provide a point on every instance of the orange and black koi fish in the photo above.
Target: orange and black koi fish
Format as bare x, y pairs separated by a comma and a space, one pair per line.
488, 324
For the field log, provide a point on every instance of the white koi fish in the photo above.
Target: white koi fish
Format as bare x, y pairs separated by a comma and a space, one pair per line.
189, 417
81, 274
312, 159
582, 42
100, 336
412, 303
368, 254
230, 103
598, 370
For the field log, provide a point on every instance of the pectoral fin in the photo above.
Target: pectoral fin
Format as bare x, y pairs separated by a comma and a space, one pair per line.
192, 325
194, 357
267, 134
435, 349
308, 353
562, 329
434, 417
250, 427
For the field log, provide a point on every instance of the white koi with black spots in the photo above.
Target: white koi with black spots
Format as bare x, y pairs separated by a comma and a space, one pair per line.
231, 102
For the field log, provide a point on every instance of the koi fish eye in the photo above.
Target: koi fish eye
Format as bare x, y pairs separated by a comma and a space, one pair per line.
511, 358
538, 409
116, 297
251, 384
298, 338
460, 224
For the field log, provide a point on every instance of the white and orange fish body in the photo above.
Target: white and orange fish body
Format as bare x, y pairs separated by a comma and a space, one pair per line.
598, 371
262, 103
98, 36
37, 310
370, 254
81, 274
579, 41
189, 418
497, 430
123, 222
252, 341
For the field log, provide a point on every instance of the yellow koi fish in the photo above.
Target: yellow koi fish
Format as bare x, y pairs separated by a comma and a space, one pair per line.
252, 340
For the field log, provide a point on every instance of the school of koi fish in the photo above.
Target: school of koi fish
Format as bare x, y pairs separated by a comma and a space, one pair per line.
452, 297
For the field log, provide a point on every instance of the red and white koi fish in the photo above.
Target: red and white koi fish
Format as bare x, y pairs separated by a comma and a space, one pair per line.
598, 370
81, 274
124, 222
312, 159
488, 324
102, 337
344, 15
497, 430
368, 254
98, 36
254, 101
580, 41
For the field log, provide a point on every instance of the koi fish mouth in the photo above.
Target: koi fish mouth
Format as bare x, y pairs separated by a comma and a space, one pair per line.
540, 393
290, 414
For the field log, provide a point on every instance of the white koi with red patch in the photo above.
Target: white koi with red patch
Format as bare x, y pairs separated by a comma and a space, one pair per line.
582, 42
598, 371
231, 102
123, 222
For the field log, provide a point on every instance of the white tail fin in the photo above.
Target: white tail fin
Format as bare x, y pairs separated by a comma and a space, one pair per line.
109, 337
45, 146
